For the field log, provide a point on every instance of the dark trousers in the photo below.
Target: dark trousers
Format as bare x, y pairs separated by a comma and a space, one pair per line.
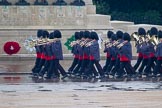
91, 68
59, 67
37, 61
53, 71
144, 63
74, 64
150, 65
76, 69
45, 68
157, 68
139, 60
108, 59
126, 66
99, 68
83, 66
116, 67
109, 68
40, 65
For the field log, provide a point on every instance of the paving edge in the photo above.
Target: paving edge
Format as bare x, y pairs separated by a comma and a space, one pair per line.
17, 73
26, 57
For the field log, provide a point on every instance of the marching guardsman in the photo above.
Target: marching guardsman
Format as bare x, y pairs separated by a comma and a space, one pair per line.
35, 69
119, 35
52, 70
151, 40
85, 49
158, 53
139, 42
125, 50
107, 50
48, 57
93, 71
57, 51
144, 50
113, 53
75, 52
80, 51
94, 56
43, 55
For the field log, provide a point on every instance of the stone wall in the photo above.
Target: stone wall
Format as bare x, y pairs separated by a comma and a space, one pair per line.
19, 22
60, 17
43, 16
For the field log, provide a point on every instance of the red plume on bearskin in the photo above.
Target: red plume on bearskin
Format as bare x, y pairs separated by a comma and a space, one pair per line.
11, 47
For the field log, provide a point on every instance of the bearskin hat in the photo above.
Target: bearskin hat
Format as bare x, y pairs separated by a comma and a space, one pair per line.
126, 36
113, 37
39, 33
77, 35
119, 34
94, 35
153, 31
160, 34
57, 34
51, 35
109, 33
45, 34
86, 34
148, 32
141, 31
81, 34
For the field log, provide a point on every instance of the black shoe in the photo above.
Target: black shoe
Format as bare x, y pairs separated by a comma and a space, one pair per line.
139, 74
48, 77
69, 72
35, 75
102, 77
40, 75
112, 73
126, 75
149, 75
120, 75
55, 76
159, 75
107, 73
86, 76
145, 73
154, 75
133, 76
64, 76
96, 76
78, 74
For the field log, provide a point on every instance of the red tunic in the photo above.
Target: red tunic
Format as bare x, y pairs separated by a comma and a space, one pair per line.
124, 58
140, 55
108, 55
39, 55
85, 56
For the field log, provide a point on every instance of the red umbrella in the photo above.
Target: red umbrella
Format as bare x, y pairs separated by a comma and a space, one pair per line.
11, 47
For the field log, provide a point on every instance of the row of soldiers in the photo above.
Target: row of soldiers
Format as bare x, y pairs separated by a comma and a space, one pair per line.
49, 52
86, 53
149, 49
